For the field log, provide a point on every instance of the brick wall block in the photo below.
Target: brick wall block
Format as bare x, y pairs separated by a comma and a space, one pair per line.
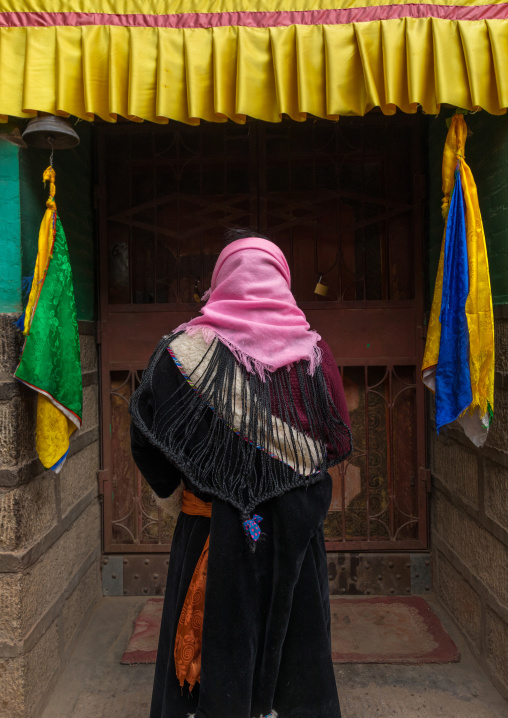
497, 436
90, 407
80, 602
456, 467
17, 429
41, 663
88, 353
48, 578
10, 345
25, 680
496, 493
461, 599
497, 646
8, 522
484, 555
10, 609
12, 695
79, 476
8, 425
27, 512
501, 339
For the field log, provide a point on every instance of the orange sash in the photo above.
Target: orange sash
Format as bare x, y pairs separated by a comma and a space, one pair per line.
190, 626
193, 506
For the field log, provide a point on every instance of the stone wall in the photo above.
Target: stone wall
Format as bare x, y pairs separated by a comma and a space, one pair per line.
469, 529
49, 536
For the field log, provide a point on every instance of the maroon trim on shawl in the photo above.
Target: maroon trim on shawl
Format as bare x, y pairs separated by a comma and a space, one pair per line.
333, 382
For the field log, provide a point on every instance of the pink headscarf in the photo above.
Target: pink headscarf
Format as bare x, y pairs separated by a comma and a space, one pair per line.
252, 311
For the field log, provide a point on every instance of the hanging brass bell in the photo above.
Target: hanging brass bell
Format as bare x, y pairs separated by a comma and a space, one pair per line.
51, 132
321, 289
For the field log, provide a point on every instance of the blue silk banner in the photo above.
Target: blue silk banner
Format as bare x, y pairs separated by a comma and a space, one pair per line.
453, 377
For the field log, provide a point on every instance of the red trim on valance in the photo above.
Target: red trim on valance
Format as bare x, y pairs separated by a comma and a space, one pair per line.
257, 19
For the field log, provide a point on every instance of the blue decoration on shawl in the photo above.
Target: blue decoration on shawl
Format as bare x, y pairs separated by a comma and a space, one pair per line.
453, 378
251, 527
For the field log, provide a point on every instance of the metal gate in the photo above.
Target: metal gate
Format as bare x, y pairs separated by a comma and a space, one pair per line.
343, 200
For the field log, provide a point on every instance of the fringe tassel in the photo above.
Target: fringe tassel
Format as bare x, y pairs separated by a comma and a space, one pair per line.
232, 411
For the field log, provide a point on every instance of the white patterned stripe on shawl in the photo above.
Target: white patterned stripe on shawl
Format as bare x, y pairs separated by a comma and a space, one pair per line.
190, 352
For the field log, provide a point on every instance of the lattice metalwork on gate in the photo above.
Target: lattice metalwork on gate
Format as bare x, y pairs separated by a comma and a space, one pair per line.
343, 201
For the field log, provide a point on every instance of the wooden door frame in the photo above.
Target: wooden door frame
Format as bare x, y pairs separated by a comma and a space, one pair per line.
140, 313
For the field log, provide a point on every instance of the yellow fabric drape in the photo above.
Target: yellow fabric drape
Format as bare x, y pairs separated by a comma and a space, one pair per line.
479, 312
159, 73
44, 248
53, 432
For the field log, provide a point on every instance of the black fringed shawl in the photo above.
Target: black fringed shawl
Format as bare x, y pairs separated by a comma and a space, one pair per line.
199, 425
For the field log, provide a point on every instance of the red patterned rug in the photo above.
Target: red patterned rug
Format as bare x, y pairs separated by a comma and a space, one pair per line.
388, 629
142, 647
384, 629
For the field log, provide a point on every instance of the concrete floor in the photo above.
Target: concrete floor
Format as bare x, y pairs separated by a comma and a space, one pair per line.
95, 685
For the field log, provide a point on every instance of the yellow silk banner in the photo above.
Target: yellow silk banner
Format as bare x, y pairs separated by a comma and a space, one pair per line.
234, 71
479, 312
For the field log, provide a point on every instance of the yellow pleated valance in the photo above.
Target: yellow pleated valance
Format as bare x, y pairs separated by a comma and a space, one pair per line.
189, 60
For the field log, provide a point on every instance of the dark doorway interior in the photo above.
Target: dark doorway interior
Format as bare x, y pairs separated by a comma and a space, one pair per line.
342, 200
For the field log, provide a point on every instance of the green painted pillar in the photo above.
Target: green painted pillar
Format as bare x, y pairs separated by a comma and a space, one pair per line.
10, 235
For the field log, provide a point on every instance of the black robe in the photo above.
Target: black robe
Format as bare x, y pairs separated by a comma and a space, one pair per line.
266, 631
